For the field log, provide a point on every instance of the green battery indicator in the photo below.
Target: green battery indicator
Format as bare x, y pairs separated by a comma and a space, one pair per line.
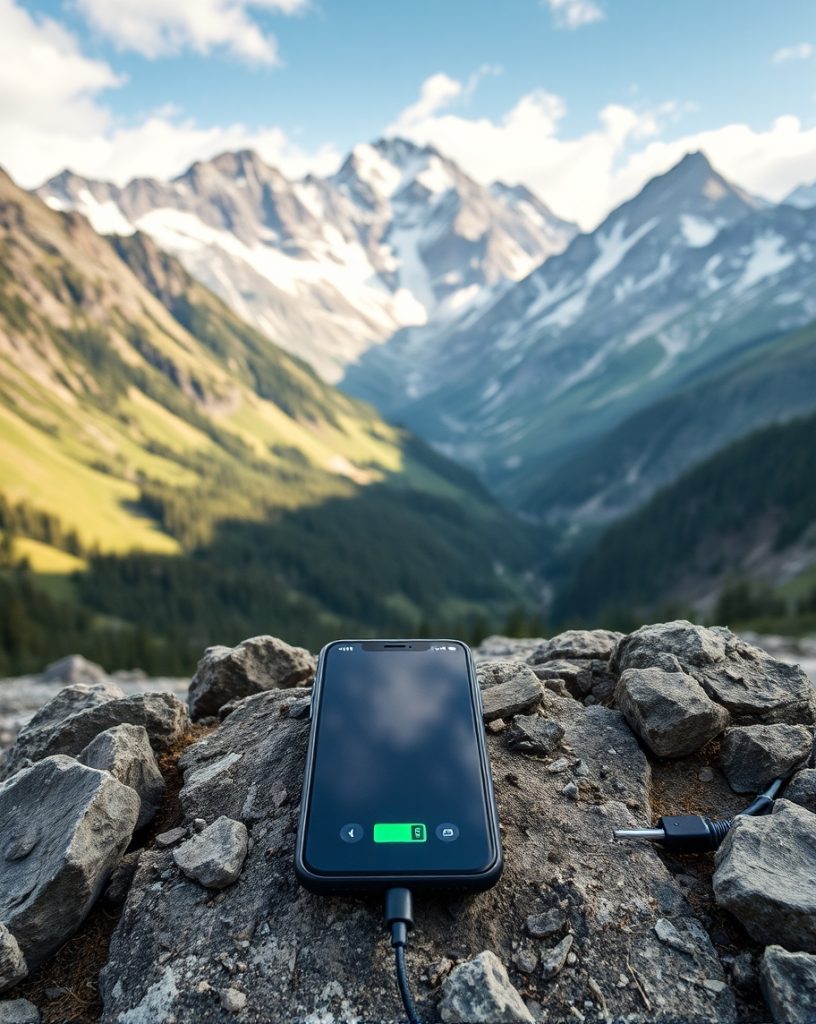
399, 832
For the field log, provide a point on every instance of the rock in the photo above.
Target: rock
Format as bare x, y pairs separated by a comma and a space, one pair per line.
587, 644
742, 970
752, 756
668, 933
532, 734
558, 766
525, 960
554, 959
12, 963
120, 879
74, 669
706, 774
163, 716
18, 1011
570, 791
749, 683
215, 856
504, 647
764, 876
169, 838
669, 711
258, 664
305, 952
517, 692
233, 1000
125, 752
65, 827
479, 992
788, 982
802, 789
542, 926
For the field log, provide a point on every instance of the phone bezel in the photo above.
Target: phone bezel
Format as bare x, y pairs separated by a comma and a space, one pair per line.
462, 881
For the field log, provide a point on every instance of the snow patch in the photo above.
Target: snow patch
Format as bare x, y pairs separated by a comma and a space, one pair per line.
613, 247
697, 231
766, 259
106, 218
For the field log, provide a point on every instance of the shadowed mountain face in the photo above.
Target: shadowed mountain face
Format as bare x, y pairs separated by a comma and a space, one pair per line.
197, 477
328, 267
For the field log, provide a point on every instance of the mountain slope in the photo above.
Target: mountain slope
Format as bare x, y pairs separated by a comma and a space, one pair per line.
212, 485
328, 267
674, 281
749, 510
774, 380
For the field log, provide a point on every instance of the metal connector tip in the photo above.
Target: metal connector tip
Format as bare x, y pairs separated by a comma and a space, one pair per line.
654, 835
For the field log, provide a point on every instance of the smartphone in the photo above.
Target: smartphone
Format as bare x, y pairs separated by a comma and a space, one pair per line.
397, 788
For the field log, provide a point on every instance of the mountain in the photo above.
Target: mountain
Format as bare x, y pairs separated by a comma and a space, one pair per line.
200, 481
400, 235
774, 381
749, 511
674, 282
803, 196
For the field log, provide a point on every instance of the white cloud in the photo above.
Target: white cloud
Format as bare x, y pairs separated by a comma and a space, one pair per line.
574, 13
801, 51
158, 28
585, 176
435, 93
52, 116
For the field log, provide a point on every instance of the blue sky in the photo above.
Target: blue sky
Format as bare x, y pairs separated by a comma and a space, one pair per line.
146, 85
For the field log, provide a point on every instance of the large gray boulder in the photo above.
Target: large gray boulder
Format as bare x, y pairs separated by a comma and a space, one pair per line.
479, 991
788, 982
125, 752
669, 710
753, 686
72, 669
65, 827
586, 644
299, 957
18, 1011
765, 876
258, 664
752, 756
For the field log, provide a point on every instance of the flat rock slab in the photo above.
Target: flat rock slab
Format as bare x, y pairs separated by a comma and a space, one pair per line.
65, 827
670, 711
788, 983
258, 664
765, 876
748, 682
577, 643
125, 752
312, 958
512, 689
752, 756
532, 734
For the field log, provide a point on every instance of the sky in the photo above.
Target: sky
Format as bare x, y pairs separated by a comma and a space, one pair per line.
581, 100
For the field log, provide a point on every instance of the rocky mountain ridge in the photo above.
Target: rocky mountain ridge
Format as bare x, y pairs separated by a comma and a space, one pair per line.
330, 266
215, 928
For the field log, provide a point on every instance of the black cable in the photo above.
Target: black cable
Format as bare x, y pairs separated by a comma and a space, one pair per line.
696, 833
399, 916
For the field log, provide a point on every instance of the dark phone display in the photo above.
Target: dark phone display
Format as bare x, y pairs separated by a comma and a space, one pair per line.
397, 782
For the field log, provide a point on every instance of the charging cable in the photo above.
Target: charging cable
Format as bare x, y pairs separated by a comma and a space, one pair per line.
398, 911
695, 833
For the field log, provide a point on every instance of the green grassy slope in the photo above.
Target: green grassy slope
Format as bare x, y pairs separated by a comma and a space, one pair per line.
213, 485
746, 511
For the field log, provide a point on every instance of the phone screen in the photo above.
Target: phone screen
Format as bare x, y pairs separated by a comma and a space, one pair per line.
398, 782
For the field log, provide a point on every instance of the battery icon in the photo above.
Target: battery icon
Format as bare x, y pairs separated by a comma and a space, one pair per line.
400, 832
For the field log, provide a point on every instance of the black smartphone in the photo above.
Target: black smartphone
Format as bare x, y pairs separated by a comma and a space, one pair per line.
397, 788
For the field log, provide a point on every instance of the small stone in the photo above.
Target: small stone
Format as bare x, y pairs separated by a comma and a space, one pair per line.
199, 824
572, 958
554, 959
532, 734
520, 692
169, 838
496, 727
764, 875
714, 985
437, 970
668, 933
18, 1011
55, 992
742, 970
214, 857
670, 711
480, 992
233, 1000
558, 766
526, 960
802, 789
753, 756
582, 770
542, 926
12, 963
570, 791
705, 775
788, 983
